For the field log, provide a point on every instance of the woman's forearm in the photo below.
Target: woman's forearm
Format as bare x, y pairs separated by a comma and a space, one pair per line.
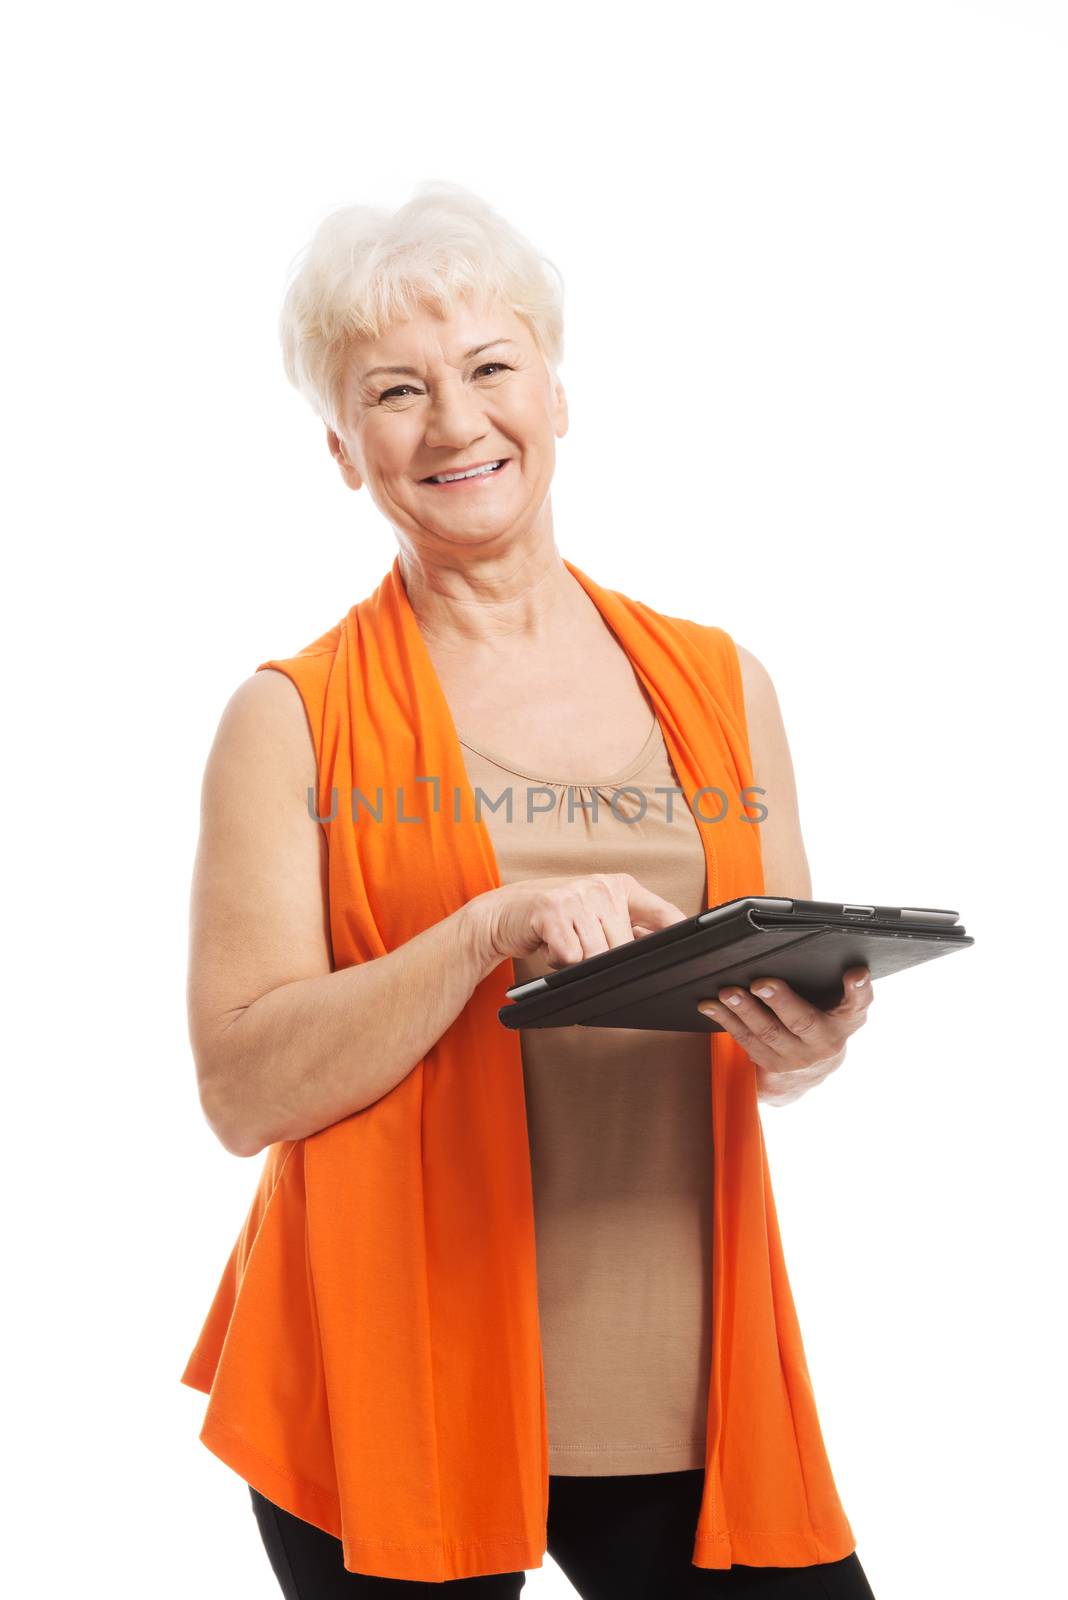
313, 1051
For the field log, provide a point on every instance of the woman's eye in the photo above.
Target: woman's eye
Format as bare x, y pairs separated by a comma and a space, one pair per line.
399, 388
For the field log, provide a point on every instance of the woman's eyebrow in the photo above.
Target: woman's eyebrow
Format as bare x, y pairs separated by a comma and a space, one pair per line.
412, 372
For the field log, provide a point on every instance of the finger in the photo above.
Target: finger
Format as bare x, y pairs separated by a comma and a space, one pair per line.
857, 992
592, 928
802, 1020
586, 923
570, 933
730, 1022
600, 916
615, 917
823, 1032
650, 909
761, 1023
618, 897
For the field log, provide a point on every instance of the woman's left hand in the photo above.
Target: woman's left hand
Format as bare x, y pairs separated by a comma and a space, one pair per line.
792, 1044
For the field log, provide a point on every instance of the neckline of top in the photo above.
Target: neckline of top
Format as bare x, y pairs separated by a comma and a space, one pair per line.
629, 770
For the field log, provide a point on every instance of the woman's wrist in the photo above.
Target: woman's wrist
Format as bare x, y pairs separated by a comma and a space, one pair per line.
475, 923
782, 1088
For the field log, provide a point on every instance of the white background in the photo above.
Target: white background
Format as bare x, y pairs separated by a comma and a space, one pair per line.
816, 348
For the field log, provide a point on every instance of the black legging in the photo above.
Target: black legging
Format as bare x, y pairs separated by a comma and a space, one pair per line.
623, 1538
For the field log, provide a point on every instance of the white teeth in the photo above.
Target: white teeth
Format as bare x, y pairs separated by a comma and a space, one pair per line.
476, 472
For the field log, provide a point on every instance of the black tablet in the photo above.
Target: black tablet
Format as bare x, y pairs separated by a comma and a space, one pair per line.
657, 980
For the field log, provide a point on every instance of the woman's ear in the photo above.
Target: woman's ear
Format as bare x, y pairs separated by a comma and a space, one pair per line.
560, 418
336, 446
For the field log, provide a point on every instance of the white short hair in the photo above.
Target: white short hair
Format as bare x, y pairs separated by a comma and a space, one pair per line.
366, 268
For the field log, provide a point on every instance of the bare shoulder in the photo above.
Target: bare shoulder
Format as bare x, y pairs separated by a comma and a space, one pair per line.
264, 727
756, 679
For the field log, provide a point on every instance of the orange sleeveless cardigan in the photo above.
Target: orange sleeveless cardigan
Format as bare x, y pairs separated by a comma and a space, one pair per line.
372, 1355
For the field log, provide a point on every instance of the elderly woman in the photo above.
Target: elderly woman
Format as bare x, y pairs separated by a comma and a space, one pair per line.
497, 1292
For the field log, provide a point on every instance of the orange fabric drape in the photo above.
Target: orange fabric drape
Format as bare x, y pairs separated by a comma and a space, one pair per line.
372, 1355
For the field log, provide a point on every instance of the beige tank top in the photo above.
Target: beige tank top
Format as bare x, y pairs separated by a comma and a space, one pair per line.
620, 1129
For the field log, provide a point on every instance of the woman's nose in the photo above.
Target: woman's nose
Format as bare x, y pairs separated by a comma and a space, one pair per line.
454, 416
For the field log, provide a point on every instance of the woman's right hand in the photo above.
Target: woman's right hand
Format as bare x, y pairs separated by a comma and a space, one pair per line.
565, 920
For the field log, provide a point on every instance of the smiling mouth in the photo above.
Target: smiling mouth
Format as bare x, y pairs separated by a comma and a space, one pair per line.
486, 469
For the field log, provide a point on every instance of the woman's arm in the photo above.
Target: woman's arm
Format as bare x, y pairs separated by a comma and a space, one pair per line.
283, 1045
786, 870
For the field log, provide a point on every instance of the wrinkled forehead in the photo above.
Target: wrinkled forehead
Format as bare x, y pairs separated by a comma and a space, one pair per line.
434, 334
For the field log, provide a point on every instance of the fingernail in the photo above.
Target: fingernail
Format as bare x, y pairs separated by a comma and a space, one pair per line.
734, 999
709, 1010
766, 991
858, 983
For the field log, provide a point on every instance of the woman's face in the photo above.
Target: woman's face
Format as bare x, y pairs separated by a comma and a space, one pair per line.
476, 390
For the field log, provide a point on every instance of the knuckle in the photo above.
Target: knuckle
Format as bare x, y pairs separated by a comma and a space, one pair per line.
806, 1024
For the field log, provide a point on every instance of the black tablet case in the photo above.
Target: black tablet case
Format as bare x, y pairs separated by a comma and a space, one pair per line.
666, 973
